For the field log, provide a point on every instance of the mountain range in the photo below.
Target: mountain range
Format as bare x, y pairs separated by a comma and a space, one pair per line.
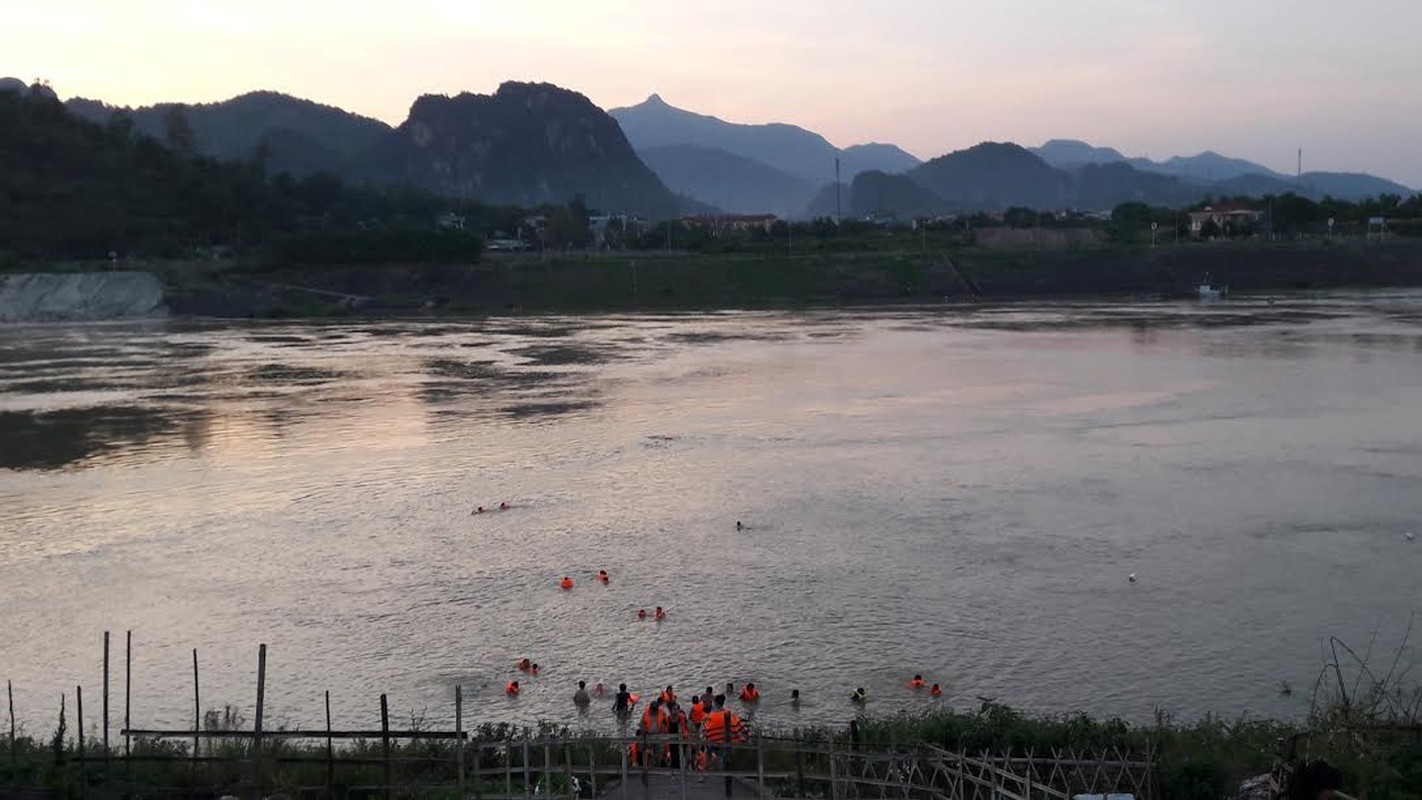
530, 143
527, 144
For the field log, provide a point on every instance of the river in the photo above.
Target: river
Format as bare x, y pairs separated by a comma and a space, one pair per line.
959, 492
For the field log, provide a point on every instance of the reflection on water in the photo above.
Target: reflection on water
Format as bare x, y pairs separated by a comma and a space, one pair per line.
953, 491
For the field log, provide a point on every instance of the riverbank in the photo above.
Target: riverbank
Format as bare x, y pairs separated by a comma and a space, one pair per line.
1206, 760
515, 283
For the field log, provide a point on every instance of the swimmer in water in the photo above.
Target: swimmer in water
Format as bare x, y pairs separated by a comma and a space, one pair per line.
794, 698
739, 526
602, 576
478, 510
504, 506
641, 613
599, 689
659, 614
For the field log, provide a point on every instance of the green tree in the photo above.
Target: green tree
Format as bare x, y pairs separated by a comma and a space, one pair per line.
178, 130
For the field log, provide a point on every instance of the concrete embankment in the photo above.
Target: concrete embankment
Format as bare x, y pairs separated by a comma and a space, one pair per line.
80, 296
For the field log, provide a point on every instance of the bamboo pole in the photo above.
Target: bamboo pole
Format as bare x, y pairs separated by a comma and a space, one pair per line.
197, 705
458, 734
127, 691
330, 748
257, 722
79, 723
527, 789
385, 744
568, 765
106, 703
547, 769
128, 706
760, 765
592, 770
10, 690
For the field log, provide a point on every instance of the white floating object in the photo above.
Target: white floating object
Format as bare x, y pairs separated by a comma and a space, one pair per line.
1131, 577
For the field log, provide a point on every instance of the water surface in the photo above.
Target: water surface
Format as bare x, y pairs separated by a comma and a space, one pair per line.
958, 492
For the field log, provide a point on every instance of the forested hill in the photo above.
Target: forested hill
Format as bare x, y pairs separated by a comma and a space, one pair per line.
71, 188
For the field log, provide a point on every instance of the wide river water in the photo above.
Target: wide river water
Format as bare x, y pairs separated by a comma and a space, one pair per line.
960, 492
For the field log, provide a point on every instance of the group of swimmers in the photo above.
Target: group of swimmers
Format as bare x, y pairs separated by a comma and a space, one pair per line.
503, 506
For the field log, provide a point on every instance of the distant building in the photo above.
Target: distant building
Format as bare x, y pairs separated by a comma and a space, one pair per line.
731, 222
1226, 218
450, 221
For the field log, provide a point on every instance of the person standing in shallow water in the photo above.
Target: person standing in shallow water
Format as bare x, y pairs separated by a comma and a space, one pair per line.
622, 703
580, 697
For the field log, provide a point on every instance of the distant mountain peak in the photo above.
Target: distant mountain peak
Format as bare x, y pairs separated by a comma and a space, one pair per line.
654, 99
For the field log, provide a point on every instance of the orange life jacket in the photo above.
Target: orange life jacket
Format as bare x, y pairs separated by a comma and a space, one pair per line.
668, 695
937, 691
698, 713
750, 695
661, 615
916, 683
512, 689
724, 726
635, 753
567, 583
654, 724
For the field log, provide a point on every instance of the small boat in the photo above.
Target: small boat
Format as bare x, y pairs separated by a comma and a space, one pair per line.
1211, 291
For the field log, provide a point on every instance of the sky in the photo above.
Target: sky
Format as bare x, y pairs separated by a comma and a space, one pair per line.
1256, 79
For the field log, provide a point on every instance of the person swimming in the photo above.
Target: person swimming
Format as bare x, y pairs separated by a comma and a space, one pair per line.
660, 614
524, 665
641, 613
504, 505
533, 670
859, 696
936, 691
602, 576
739, 526
599, 689
917, 682
478, 510
567, 583
794, 698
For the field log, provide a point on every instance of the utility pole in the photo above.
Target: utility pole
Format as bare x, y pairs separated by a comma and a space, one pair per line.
838, 214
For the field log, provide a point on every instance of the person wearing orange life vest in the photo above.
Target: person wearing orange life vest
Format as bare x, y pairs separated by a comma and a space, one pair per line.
723, 728
566, 583
512, 689
936, 691
679, 727
654, 719
668, 696
750, 694
634, 750
917, 682
659, 614
698, 712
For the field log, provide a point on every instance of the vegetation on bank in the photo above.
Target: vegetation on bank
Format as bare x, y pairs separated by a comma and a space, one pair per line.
1365, 724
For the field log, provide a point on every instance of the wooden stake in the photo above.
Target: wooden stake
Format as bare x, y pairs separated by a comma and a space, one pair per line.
385, 742
459, 735
106, 701
128, 707
10, 690
79, 723
330, 749
197, 707
257, 723
127, 692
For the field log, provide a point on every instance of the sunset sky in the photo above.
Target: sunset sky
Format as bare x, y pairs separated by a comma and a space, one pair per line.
1256, 80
